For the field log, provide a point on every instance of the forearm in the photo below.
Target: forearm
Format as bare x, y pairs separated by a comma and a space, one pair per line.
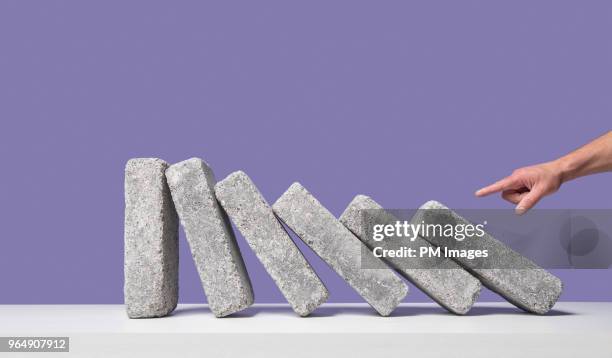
594, 157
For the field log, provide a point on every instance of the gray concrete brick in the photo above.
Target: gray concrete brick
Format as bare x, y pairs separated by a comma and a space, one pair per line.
210, 237
513, 276
339, 248
253, 216
151, 241
440, 278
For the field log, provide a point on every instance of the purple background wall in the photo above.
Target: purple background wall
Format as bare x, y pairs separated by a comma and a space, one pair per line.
402, 100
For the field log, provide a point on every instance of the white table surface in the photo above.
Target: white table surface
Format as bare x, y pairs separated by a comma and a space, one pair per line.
571, 329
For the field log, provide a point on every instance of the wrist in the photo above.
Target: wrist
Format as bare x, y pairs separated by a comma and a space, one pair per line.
566, 168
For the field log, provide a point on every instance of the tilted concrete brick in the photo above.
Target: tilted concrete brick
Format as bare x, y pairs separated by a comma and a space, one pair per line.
253, 216
150, 239
510, 274
210, 237
440, 278
339, 248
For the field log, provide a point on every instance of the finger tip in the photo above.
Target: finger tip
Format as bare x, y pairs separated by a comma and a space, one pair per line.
520, 210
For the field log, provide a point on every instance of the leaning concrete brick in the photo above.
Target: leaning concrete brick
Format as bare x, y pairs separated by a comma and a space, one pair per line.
441, 279
284, 262
151, 241
511, 275
210, 237
337, 246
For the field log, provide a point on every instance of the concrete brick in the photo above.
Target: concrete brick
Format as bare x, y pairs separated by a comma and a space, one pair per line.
440, 278
511, 275
151, 241
339, 248
210, 237
253, 216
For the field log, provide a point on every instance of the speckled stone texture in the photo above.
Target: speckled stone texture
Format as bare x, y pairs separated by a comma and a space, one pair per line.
210, 237
151, 241
339, 248
511, 275
440, 278
253, 216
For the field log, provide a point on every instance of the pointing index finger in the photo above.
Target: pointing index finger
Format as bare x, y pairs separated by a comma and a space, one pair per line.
503, 184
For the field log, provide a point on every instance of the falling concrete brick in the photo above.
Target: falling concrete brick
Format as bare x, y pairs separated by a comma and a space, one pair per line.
511, 275
151, 241
210, 237
441, 279
339, 248
284, 262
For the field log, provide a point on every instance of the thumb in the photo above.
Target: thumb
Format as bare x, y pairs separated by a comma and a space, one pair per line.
529, 200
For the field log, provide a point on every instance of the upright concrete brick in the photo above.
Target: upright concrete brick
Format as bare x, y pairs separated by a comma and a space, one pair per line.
511, 275
284, 262
441, 279
151, 241
337, 246
210, 236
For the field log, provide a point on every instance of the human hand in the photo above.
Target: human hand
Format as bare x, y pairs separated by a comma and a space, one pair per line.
526, 186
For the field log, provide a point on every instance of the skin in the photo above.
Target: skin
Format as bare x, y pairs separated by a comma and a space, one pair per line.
526, 186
